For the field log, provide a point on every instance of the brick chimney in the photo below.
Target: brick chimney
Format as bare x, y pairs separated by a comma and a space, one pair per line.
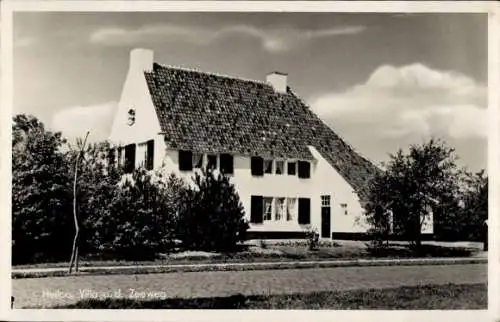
278, 81
141, 60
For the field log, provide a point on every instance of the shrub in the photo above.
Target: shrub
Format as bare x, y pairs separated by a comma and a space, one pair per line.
140, 219
211, 216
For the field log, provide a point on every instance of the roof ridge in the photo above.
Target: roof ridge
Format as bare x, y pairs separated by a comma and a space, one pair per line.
196, 70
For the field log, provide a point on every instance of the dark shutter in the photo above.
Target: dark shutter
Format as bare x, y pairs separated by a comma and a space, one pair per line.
227, 163
257, 164
129, 158
185, 160
256, 209
150, 155
304, 211
304, 169
292, 168
212, 161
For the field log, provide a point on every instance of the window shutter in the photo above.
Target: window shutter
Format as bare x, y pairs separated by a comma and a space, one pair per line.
304, 211
185, 160
256, 210
227, 163
304, 169
129, 158
257, 164
150, 155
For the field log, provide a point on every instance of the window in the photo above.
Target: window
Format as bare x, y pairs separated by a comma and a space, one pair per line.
129, 158
185, 160
227, 163
119, 156
280, 209
150, 154
280, 167
197, 160
344, 208
291, 209
292, 168
212, 161
268, 208
304, 169
131, 117
325, 201
257, 165
141, 155
268, 166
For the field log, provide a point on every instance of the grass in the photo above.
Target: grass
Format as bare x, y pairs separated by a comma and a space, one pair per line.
430, 297
286, 253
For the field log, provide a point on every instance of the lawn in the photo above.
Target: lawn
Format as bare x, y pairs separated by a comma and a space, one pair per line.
284, 251
442, 297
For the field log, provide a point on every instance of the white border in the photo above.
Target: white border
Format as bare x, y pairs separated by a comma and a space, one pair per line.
272, 6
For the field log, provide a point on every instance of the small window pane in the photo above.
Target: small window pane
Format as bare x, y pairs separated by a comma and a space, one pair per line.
268, 166
291, 209
197, 160
279, 167
292, 168
280, 209
325, 201
268, 208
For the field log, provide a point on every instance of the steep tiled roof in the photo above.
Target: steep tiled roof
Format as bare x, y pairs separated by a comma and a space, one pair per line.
212, 113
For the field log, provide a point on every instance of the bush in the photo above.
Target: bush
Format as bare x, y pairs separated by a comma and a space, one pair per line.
211, 216
139, 221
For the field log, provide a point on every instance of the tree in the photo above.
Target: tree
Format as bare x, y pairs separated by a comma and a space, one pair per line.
211, 216
465, 219
413, 186
40, 193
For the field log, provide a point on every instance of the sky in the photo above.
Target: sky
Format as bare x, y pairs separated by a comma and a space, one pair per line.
382, 81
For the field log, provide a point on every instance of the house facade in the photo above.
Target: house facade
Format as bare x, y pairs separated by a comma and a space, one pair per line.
291, 171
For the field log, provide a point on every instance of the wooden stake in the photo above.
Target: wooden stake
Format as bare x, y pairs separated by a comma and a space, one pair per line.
74, 252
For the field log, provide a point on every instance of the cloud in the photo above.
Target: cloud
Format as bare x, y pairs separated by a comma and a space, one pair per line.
411, 102
75, 121
274, 39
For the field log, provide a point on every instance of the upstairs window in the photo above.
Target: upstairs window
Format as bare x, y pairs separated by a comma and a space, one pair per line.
185, 160
227, 163
212, 161
304, 169
292, 168
129, 158
280, 165
257, 165
197, 160
268, 166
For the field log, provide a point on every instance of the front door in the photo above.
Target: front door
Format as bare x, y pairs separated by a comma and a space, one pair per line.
326, 230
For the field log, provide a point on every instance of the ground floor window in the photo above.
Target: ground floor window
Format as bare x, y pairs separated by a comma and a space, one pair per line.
268, 208
280, 209
291, 209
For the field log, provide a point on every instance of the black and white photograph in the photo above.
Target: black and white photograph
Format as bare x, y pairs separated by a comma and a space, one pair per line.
249, 160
